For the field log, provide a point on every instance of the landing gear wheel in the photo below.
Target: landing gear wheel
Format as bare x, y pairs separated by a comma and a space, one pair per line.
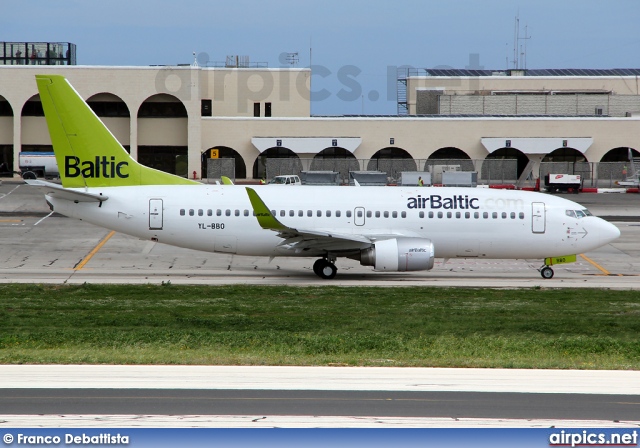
324, 269
546, 272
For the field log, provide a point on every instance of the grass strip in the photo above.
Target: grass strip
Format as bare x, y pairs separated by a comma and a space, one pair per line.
363, 326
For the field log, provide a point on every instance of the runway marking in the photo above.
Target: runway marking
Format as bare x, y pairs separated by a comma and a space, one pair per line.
10, 220
95, 250
43, 219
603, 270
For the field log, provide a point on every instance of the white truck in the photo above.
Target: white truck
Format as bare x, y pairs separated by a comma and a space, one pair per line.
563, 182
38, 165
288, 179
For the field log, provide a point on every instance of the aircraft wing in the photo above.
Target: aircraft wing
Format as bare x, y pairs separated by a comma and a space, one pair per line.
302, 239
49, 188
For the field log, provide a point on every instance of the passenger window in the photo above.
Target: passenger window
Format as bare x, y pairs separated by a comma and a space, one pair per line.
227, 212
440, 215
200, 212
337, 213
359, 213
237, 213
218, 212
457, 215
449, 215
328, 213
348, 213
182, 212
273, 213
467, 215
430, 214
191, 212
282, 212
378, 214
513, 215
394, 214
476, 215
309, 213
504, 215
368, 213
319, 213
246, 213
403, 214
300, 213
485, 215
292, 213
421, 214
495, 215
209, 212
386, 214
521, 215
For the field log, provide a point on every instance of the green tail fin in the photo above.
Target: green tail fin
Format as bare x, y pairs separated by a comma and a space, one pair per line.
88, 155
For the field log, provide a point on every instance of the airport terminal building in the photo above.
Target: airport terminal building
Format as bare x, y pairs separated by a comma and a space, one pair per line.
249, 122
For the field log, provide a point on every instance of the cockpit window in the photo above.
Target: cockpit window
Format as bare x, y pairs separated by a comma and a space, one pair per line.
578, 213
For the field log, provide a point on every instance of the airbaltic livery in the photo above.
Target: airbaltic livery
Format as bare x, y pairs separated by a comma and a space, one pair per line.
389, 228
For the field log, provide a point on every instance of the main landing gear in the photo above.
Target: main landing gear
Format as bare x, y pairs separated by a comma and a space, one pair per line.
546, 272
324, 268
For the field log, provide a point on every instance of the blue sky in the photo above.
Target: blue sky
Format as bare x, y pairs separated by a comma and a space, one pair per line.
362, 38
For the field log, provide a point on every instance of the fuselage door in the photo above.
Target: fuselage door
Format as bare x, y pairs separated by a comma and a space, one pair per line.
538, 218
155, 214
358, 216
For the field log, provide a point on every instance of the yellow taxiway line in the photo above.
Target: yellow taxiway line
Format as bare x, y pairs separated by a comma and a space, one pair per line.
95, 250
589, 260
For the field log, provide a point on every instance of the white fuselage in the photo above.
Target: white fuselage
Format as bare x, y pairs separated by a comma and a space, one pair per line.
460, 222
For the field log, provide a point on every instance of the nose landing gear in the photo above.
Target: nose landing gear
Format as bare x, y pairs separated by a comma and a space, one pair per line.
325, 268
546, 272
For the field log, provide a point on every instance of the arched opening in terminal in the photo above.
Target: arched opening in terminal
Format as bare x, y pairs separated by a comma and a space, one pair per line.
447, 159
275, 161
6, 138
34, 132
510, 154
566, 161
336, 159
108, 105
449, 152
114, 113
565, 155
620, 154
393, 161
162, 144
227, 162
33, 107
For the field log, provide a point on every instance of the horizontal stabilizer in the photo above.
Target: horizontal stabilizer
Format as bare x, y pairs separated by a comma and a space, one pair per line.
60, 192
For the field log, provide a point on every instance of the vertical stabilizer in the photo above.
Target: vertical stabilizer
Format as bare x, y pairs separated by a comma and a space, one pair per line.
88, 155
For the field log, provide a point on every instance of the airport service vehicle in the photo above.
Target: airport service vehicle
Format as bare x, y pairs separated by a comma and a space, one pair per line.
288, 179
562, 182
389, 228
35, 165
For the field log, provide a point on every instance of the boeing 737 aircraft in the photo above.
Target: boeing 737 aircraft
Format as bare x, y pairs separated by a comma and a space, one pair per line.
389, 228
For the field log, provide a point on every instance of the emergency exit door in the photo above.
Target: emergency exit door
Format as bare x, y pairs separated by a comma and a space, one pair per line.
538, 217
155, 214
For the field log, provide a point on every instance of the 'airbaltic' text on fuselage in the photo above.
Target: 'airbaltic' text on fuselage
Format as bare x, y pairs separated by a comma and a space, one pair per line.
101, 167
458, 202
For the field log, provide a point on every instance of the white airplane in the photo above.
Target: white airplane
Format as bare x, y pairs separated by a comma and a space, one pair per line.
389, 228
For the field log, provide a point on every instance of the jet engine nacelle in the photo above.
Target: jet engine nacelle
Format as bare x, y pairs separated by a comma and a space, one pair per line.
399, 254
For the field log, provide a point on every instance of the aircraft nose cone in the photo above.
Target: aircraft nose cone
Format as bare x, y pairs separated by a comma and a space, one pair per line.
608, 232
